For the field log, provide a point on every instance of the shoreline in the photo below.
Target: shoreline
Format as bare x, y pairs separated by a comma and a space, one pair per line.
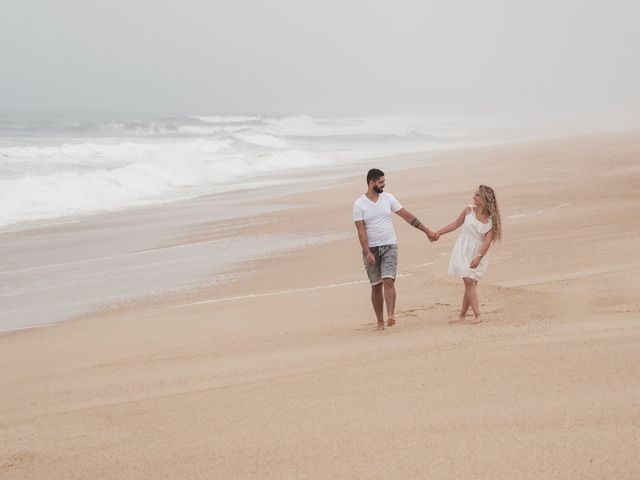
282, 375
235, 207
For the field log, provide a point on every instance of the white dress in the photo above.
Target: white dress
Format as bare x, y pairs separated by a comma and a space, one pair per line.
468, 246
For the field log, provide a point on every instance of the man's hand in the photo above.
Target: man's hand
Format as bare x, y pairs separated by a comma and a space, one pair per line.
432, 236
371, 258
475, 262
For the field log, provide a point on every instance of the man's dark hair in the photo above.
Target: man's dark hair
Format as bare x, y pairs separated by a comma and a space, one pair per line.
374, 174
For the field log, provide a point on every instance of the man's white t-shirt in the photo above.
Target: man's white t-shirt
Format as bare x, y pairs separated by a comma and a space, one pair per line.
377, 218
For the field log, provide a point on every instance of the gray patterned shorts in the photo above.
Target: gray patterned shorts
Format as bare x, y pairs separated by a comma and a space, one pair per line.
386, 265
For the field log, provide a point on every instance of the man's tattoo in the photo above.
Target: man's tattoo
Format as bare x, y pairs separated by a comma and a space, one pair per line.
415, 222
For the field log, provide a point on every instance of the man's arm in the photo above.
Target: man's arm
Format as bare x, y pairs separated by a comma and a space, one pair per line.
364, 242
411, 219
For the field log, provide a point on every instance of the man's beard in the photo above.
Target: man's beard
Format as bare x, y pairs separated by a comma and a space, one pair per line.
378, 189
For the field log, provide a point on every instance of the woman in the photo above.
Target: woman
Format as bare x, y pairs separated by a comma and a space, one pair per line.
469, 259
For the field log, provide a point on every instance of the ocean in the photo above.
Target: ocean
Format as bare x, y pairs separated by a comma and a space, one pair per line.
61, 166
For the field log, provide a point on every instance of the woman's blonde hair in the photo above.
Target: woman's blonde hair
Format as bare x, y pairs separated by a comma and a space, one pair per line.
490, 204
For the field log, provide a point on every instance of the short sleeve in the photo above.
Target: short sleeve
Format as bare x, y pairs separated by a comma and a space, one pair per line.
358, 213
395, 204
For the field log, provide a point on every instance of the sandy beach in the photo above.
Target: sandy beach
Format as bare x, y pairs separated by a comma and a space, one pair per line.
281, 374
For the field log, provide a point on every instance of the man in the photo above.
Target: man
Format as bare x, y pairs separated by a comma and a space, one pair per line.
372, 216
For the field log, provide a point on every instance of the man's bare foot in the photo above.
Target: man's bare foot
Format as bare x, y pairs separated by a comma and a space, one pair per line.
391, 322
460, 318
476, 319
380, 326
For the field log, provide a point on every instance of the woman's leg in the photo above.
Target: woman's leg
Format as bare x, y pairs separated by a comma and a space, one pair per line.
463, 309
472, 296
465, 305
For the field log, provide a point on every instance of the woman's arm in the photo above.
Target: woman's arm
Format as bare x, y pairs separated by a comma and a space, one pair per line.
455, 224
484, 248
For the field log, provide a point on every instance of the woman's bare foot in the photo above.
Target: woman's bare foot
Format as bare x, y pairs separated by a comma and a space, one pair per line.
380, 326
459, 318
391, 322
476, 319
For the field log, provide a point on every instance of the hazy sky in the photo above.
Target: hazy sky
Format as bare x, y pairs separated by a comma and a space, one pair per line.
325, 57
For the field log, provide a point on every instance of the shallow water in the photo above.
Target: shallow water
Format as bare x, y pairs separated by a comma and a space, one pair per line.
56, 272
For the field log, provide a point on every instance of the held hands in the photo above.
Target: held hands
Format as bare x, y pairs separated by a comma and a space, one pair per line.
433, 236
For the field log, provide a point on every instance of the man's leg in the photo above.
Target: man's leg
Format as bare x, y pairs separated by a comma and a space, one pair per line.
377, 301
374, 274
388, 271
390, 299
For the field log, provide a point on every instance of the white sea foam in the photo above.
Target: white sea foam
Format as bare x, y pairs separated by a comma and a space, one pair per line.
281, 292
262, 140
522, 215
219, 119
537, 212
52, 169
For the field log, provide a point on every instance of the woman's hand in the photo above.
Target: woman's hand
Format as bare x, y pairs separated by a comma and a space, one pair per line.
476, 261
